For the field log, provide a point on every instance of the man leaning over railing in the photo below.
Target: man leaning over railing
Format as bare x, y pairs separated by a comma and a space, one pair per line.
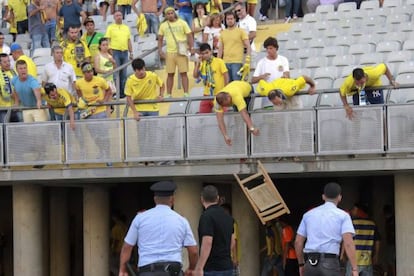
361, 78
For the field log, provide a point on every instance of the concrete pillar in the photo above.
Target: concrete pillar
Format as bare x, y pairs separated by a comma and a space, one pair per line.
96, 231
27, 230
248, 223
404, 232
187, 203
59, 233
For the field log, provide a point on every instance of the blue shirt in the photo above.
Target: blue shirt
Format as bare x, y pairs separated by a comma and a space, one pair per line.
185, 9
323, 227
160, 234
24, 90
71, 14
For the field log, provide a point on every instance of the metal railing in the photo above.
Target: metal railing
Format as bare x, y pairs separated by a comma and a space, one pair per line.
186, 136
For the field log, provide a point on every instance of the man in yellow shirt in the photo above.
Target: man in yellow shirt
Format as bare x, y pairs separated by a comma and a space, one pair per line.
281, 92
19, 10
233, 41
75, 51
95, 90
213, 72
175, 31
361, 78
142, 85
7, 97
236, 93
60, 100
17, 54
120, 43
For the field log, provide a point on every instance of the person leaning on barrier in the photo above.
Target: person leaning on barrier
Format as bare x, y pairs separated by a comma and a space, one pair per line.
361, 78
235, 93
142, 85
281, 92
324, 228
160, 234
60, 100
93, 90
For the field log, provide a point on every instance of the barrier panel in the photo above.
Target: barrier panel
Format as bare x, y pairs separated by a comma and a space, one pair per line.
339, 135
155, 139
37, 143
205, 141
283, 133
94, 141
400, 128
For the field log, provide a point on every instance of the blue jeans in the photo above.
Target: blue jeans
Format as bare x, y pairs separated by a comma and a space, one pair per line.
51, 30
153, 22
219, 273
39, 41
121, 57
272, 261
125, 9
187, 17
288, 8
233, 68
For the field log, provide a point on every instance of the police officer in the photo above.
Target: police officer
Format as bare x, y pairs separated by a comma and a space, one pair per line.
324, 228
160, 234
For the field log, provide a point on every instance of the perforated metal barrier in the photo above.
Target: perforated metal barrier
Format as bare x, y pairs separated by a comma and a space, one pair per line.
33, 143
339, 135
154, 139
205, 141
94, 141
400, 128
287, 133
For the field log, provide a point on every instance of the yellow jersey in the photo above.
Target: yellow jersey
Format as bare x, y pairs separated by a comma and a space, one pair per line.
144, 89
180, 29
238, 90
289, 87
373, 73
75, 53
119, 35
19, 9
212, 75
63, 101
232, 41
6, 99
93, 91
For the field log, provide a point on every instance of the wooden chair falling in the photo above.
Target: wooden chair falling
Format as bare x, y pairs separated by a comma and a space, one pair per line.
263, 197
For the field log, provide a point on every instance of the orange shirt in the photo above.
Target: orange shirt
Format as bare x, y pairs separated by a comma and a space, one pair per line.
288, 236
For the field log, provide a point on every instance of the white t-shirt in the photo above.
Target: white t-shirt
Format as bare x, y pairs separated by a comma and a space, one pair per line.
249, 24
213, 35
274, 67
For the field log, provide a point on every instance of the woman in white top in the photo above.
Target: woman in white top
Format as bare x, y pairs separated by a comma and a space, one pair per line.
200, 20
212, 32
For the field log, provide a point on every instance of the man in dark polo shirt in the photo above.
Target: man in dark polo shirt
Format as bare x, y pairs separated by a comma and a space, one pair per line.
215, 231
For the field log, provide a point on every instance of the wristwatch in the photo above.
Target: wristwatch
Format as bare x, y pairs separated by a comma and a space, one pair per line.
251, 129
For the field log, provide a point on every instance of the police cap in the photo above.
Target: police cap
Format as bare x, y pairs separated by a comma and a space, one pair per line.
163, 188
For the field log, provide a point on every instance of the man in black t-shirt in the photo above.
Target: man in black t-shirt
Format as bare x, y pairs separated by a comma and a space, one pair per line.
215, 230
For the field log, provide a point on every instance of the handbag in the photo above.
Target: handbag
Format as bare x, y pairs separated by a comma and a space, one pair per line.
182, 48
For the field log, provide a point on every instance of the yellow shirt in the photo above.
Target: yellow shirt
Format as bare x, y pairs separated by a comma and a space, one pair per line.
218, 68
180, 29
289, 87
64, 99
75, 53
19, 8
144, 89
123, 2
374, 74
119, 34
212, 8
93, 91
238, 90
6, 99
31, 66
233, 44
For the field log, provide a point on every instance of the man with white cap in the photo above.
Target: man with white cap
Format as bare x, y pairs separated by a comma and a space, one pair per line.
160, 234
